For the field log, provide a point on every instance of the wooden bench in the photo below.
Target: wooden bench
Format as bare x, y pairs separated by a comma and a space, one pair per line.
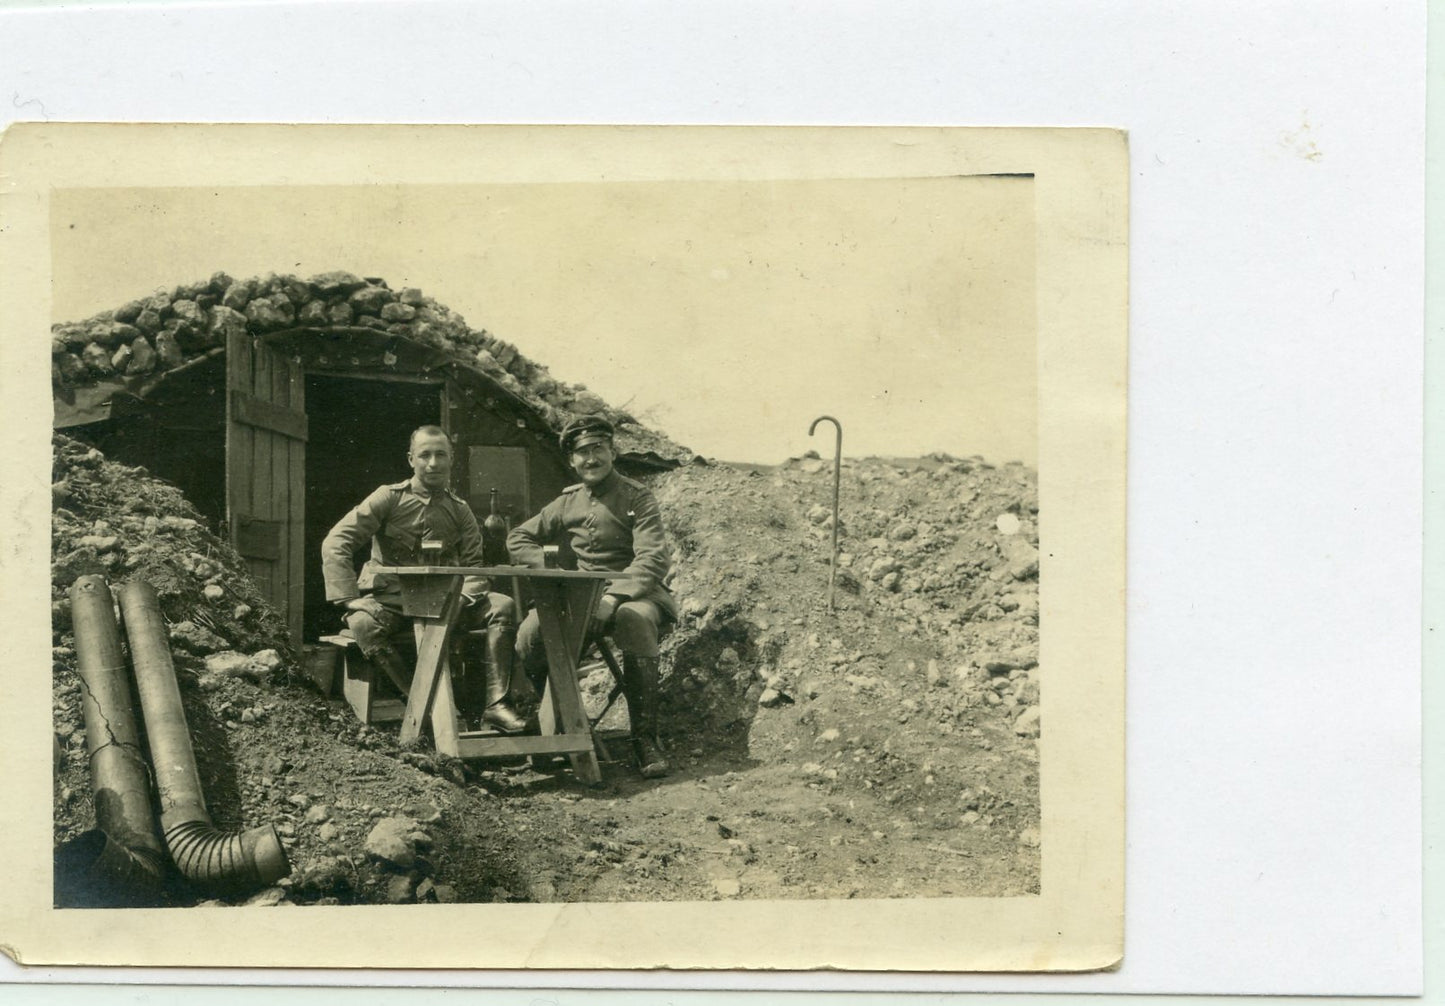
359, 683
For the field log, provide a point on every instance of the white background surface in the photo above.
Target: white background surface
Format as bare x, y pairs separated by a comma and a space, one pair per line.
1276, 362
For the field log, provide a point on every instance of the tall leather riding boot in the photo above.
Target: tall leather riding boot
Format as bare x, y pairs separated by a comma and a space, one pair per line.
498, 712
390, 663
639, 685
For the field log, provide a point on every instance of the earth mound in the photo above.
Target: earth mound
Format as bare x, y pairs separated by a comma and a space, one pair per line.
886, 747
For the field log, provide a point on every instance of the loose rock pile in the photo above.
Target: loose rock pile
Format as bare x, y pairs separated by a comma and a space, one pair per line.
158, 333
268, 747
115, 520
938, 559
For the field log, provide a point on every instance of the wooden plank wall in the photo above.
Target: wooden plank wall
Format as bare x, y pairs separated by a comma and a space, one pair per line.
266, 469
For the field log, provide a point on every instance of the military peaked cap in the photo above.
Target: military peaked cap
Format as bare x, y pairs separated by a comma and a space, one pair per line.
585, 430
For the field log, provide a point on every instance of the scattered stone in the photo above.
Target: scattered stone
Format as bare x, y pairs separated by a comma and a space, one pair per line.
1026, 690
197, 640
262, 664
425, 813
190, 313
268, 898
168, 351
371, 299
772, 697
97, 360
226, 322
72, 370
237, 296
142, 357
1023, 560
226, 663
1030, 838
317, 814
148, 321
882, 567
326, 873
400, 888
391, 842
1007, 523
330, 284
213, 592
267, 313
827, 736
314, 313
329, 832
1028, 723
728, 887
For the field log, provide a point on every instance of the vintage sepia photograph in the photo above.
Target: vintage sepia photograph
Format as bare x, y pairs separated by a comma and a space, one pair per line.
651, 522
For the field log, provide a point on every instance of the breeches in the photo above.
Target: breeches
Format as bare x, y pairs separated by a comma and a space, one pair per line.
635, 628
373, 632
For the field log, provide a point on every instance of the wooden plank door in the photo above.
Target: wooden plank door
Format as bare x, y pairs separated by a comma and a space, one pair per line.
266, 432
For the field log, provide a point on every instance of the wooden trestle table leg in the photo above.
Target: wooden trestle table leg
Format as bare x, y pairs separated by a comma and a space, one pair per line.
553, 620
431, 667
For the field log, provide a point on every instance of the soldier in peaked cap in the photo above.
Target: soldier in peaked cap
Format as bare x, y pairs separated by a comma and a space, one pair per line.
421, 522
612, 524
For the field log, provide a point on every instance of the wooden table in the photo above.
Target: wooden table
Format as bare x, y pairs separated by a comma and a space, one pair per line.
565, 600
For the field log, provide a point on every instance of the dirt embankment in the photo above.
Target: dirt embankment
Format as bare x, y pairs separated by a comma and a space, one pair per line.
885, 748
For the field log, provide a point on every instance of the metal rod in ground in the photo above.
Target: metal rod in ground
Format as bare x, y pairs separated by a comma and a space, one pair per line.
837, 477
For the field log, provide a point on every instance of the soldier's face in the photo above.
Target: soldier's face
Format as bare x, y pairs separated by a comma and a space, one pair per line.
431, 461
593, 462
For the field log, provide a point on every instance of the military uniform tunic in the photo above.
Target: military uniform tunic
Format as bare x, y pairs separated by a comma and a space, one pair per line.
613, 527
394, 521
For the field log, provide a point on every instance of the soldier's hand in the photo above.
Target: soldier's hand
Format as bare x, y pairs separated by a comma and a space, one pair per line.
370, 605
607, 610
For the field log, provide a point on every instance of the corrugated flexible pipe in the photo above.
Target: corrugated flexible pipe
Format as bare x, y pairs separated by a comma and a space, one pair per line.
204, 855
121, 860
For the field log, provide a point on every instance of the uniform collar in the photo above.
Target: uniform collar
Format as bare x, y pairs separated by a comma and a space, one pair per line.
603, 487
417, 489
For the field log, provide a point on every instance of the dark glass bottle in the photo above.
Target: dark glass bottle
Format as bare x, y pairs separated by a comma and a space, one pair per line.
494, 535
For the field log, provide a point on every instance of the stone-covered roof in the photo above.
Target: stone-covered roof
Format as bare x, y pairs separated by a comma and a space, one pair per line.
133, 347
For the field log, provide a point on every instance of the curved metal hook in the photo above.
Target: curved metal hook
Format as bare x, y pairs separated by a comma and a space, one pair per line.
837, 477
814, 425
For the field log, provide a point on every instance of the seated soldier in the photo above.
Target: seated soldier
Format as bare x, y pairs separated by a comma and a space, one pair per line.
421, 522
612, 524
